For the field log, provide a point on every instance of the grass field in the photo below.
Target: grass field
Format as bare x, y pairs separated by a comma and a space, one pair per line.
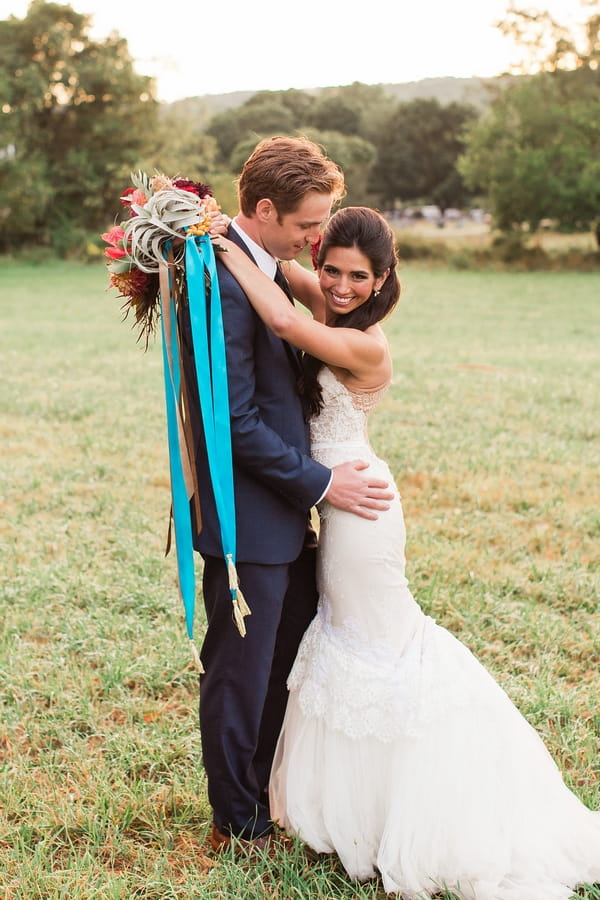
492, 429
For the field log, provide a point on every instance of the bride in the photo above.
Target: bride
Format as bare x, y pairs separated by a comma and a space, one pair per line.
398, 752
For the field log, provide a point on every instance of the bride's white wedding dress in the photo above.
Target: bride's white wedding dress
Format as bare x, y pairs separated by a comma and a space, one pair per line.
399, 752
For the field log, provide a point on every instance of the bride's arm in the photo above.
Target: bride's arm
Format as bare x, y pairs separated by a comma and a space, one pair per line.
362, 353
305, 288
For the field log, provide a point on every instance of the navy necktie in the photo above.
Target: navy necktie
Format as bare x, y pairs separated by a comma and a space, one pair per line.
294, 354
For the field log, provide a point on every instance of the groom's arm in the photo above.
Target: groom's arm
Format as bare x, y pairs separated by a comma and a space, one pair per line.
256, 447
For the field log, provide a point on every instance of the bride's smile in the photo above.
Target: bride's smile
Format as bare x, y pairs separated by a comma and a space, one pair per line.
347, 279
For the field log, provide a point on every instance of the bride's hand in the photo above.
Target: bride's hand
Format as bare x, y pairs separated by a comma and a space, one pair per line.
225, 248
219, 223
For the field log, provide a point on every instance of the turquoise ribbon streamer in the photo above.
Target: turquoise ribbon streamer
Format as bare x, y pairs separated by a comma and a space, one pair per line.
211, 372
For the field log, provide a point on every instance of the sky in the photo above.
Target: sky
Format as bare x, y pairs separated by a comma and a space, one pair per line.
194, 48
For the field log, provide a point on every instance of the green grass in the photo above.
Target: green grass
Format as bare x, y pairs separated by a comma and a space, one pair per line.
492, 429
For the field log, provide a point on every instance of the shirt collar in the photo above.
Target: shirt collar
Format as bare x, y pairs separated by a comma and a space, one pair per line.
264, 260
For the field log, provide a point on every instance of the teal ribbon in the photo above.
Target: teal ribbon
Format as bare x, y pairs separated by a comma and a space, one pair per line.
211, 373
208, 342
179, 490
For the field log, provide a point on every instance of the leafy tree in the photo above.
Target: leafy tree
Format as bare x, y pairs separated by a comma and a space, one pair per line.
264, 116
242, 151
179, 146
547, 45
355, 157
345, 116
332, 113
420, 144
225, 129
75, 118
536, 152
354, 109
299, 103
370, 106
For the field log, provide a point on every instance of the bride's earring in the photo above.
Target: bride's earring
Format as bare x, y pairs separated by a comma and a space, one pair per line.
382, 281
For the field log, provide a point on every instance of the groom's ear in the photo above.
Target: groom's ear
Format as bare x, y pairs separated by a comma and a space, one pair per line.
265, 210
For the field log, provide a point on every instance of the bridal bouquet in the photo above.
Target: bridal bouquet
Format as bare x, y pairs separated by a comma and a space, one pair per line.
162, 211
161, 260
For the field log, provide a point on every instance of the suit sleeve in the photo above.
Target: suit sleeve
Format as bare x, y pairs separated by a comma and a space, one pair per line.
256, 447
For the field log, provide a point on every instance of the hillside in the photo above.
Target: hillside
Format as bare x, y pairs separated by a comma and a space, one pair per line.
445, 90
475, 91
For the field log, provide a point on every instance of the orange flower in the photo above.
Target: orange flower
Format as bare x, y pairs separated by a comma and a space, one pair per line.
200, 228
139, 197
211, 204
133, 285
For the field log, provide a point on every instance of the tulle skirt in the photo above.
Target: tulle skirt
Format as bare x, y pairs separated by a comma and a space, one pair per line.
418, 768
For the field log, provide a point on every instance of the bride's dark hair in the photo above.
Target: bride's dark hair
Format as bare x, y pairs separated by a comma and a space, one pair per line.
368, 231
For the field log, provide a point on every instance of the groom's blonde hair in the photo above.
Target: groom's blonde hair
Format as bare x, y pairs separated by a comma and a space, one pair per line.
284, 170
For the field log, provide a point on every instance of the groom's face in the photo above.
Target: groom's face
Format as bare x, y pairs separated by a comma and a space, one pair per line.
285, 236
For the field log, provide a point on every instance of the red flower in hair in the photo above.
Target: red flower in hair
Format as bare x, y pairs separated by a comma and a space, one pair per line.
314, 251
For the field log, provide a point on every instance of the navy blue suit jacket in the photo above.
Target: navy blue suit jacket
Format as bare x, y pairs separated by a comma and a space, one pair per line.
275, 480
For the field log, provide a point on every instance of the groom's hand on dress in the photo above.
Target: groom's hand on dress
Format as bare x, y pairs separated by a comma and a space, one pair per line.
355, 491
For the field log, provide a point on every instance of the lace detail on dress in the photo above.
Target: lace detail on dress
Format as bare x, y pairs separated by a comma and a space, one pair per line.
343, 418
363, 690
365, 401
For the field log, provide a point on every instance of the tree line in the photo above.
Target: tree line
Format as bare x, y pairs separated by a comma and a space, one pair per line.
76, 119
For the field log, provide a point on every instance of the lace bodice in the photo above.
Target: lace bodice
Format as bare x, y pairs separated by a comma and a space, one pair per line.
343, 420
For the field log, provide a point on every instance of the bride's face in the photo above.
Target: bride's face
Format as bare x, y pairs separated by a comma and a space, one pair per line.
346, 279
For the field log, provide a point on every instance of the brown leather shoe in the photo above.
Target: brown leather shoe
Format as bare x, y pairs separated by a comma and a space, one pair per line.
218, 840
221, 842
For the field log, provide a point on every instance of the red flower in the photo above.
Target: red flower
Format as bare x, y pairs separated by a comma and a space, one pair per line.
114, 237
114, 252
125, 198
193, 187
133, 195
314, 252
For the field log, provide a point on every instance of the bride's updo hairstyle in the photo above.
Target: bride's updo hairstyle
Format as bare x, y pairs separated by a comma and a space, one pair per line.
368, 231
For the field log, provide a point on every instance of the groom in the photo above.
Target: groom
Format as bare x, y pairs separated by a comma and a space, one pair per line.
286, 191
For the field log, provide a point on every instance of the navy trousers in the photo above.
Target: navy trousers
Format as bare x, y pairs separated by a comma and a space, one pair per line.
243, 690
